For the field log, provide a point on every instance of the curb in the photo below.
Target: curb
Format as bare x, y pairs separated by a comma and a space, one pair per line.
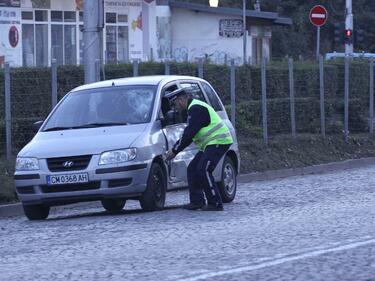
12, 210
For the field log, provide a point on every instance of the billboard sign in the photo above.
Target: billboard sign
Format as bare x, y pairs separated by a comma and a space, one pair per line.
10, 30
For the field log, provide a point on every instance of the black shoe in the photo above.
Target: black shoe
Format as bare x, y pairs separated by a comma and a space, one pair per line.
193, 206
211, 207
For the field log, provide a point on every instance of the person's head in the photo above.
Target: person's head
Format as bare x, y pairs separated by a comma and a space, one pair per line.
181, 102
179, 99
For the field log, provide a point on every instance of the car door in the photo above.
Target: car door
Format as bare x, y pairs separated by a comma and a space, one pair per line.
173, 132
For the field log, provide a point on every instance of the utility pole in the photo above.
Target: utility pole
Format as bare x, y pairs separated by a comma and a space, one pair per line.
349, 26
93, 18
244, 31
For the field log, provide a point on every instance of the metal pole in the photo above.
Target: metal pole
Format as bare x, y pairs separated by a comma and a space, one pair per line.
91, 31
244, 30
322, 109
318, 42
8, 115
97, 70
135, 68
54, 82
349, 25
346, 100
233, 92
371, 97
292, 102
200, 68
167, 68
264, 103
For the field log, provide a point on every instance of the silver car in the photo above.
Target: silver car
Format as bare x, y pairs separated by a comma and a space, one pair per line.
107, 141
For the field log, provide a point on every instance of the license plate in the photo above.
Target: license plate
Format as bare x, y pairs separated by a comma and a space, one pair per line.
66, 179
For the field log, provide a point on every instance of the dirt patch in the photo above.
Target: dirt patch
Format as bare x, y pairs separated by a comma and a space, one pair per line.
285, 152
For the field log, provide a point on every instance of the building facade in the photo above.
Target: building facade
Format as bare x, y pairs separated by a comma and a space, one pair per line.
33, 32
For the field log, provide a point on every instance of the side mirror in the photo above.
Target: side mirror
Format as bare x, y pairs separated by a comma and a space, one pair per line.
37, 125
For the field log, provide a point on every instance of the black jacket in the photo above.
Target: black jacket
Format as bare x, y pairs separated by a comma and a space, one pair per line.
197, 118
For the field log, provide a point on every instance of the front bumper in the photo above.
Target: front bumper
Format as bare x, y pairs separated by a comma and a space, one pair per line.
115, 181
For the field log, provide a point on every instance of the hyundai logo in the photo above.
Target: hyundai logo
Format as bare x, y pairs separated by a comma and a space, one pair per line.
68, 164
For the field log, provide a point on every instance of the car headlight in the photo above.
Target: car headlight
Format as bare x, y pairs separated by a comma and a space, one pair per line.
117, 156
27, 164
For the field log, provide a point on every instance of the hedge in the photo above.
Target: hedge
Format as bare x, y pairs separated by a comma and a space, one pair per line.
31, 94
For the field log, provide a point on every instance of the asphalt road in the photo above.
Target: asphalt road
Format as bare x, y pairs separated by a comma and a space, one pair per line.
316, 227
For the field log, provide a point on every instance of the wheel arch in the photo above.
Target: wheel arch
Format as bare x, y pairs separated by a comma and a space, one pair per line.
159, 160
233, 156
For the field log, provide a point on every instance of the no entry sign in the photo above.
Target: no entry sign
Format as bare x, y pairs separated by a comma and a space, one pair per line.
318, 15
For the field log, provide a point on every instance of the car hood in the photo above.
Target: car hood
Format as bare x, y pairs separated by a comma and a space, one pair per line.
81, 141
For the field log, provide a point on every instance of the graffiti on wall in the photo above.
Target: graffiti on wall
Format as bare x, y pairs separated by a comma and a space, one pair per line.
211, 53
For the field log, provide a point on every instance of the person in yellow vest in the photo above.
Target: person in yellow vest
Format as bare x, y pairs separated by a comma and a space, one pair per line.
212, 137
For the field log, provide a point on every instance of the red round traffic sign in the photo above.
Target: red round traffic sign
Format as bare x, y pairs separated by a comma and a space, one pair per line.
318, 15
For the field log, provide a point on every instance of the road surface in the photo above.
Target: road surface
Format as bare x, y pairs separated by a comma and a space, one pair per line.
314, 227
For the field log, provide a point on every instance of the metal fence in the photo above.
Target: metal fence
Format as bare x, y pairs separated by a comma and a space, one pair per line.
279, 98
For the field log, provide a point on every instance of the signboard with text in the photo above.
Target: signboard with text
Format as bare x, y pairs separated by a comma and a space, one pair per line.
10, 3
230, 28
10, 32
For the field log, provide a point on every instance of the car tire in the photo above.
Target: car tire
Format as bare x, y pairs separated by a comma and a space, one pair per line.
154, 197
36, 212
228, 183
113, 205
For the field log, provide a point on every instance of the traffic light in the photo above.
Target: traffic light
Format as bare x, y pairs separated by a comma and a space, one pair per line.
359, 36
338, 33
348, 36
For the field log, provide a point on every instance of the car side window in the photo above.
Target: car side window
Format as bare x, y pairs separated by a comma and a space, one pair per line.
213, 98
195, 90
165, 105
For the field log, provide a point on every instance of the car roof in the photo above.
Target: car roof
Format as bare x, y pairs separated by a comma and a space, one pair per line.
141, 80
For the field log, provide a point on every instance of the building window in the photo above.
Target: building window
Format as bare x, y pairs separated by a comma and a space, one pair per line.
123, 18
110, 18
41, 40
41, 15
28, 44
56, 16
27, 15
57, 43
69, 16
80, 34
111, 44
123, 44
70, 49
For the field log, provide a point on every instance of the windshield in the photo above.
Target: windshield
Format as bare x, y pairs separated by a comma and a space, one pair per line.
103, 107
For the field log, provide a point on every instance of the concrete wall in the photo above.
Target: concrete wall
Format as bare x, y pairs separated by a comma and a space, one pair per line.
196, 34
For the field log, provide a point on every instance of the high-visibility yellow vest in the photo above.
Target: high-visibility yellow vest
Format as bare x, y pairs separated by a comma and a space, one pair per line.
215, 133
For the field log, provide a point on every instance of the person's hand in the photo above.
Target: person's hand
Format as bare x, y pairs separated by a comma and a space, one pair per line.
170, 155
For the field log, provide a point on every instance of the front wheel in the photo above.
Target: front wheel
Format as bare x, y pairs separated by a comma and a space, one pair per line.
36, 212
113, 205
154, 197
228, 183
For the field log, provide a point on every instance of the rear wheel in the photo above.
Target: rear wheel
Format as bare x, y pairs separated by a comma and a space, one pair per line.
36, 212
154, 197
113, 205
228, 183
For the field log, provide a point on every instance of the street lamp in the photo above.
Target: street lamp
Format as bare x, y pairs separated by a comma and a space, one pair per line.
215, 4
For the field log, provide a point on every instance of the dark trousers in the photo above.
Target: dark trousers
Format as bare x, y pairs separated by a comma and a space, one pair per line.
199, 175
